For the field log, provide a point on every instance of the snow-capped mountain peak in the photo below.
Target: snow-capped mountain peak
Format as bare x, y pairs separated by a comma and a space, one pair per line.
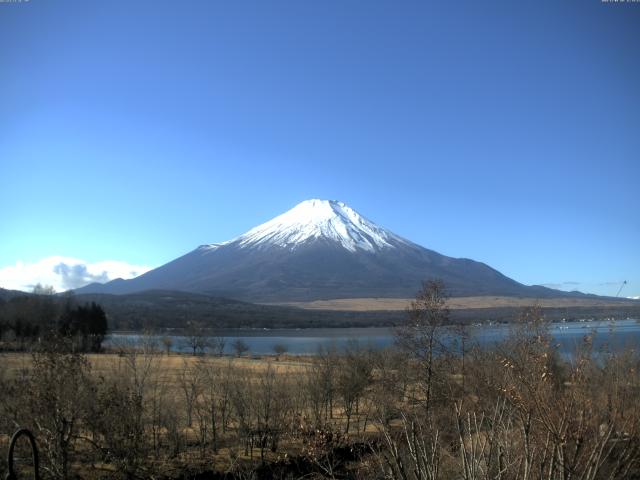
320, 219
319, 250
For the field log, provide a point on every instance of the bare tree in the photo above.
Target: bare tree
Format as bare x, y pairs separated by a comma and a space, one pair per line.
241, 396
354, 376
213, 401
240, 347
280, 349
158, 406
189, 380
317, 387
127, 411
389, 385
40, 289
60, 390
196, 338
412, 453
421, 334
322, 384
167, 343
271, 409
217, 345
117, 423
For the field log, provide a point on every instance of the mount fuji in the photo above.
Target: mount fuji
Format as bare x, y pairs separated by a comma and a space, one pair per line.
320, 250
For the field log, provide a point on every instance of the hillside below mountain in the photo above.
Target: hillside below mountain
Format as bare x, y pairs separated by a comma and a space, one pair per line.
159, 309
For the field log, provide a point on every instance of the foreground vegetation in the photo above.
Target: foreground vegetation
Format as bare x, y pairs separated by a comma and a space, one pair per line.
419, 411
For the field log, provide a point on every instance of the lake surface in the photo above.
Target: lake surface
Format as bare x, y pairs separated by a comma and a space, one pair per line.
613, 335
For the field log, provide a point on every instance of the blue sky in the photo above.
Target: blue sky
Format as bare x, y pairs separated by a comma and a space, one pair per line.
507, 132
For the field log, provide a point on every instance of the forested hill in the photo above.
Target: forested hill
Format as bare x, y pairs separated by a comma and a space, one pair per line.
158, 309
9, 294
171, 309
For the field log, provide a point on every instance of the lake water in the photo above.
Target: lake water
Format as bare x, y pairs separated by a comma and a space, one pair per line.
614, 335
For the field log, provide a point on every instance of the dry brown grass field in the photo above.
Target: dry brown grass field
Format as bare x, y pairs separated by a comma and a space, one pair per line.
169, 377
455, 303
170, 365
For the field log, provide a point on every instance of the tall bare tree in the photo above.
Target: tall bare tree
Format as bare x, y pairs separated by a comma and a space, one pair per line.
422, 333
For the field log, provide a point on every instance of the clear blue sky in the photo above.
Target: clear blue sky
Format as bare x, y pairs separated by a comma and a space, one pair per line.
507, 132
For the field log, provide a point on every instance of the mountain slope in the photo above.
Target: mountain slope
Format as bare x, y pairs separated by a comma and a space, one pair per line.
6, 295
319, 250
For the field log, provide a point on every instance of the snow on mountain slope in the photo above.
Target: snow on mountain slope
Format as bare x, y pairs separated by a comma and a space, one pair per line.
320, 219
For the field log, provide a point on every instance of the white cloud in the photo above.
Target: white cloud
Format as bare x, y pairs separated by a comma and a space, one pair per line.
64, 273
637, 297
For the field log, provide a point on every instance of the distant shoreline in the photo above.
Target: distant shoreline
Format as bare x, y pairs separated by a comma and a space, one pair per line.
456, 303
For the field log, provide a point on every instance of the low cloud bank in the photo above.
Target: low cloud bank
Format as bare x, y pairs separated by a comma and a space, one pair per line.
65, 273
